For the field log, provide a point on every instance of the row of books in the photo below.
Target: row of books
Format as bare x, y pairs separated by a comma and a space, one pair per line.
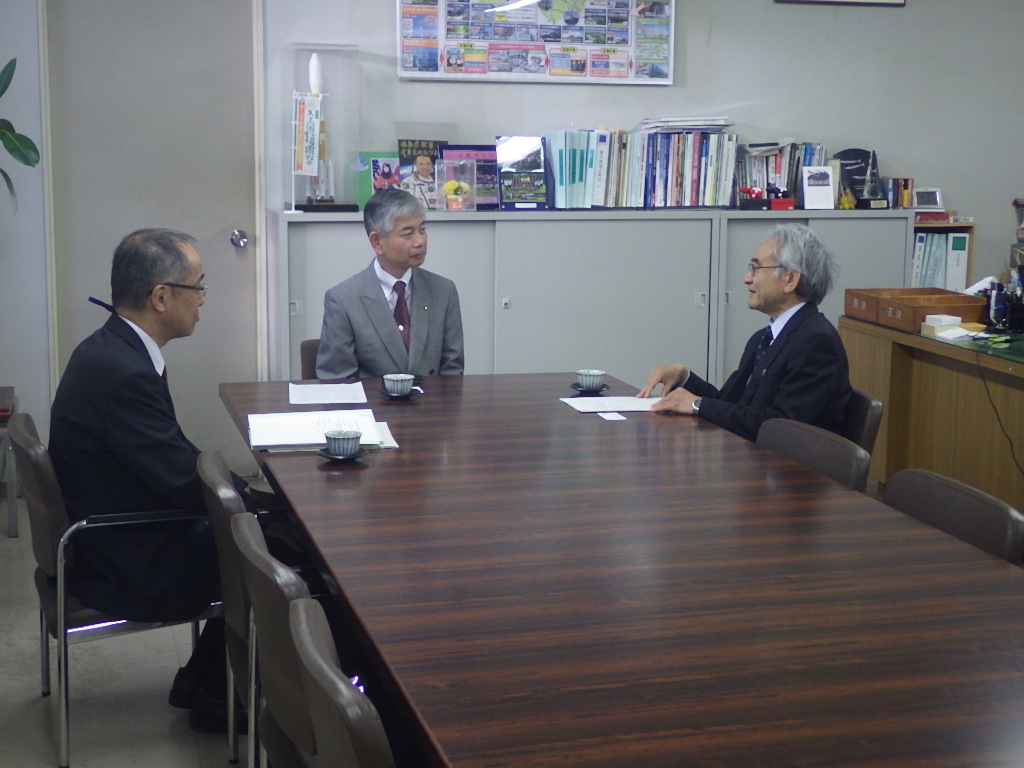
899, 191
940, 260
640, 169
778, 165
660, 163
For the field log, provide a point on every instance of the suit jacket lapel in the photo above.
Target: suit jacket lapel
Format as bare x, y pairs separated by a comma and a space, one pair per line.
120, 328
419, 311
776, 348
383, 319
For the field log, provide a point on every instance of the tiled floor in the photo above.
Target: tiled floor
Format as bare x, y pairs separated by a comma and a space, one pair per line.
119, 711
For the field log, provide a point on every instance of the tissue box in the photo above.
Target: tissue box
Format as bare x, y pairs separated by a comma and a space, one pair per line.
942, 319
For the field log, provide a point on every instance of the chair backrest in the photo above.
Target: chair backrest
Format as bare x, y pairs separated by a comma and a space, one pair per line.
863, 415
47, 515
348, 729
960, 510
223, 503
271, 586
307, 357
825, 452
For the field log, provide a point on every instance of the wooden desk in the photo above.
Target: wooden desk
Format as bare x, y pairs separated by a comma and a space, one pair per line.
941, 405
544, 588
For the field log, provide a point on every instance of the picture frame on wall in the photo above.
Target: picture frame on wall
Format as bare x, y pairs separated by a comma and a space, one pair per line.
596, 42
846, 2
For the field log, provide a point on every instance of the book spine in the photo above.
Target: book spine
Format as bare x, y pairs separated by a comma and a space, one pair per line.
699, 148
920, 240
602, 142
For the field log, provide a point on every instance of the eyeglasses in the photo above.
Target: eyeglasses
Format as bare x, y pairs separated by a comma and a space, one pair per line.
201, 287
752, 267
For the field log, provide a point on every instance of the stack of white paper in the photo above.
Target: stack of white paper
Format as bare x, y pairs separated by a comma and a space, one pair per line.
309, 394
306, 429
607, 404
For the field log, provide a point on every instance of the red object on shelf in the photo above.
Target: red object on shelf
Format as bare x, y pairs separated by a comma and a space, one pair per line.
781, 203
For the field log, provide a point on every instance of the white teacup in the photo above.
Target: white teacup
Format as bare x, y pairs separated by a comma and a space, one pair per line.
343, 442
398, 383
589, 378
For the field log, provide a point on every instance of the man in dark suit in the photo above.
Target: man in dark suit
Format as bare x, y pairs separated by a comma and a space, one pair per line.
117, 447
394, 316
796, 368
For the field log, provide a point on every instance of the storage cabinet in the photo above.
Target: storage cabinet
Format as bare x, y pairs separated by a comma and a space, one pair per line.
623, 290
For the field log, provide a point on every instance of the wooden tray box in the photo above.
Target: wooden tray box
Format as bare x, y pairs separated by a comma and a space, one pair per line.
906, 308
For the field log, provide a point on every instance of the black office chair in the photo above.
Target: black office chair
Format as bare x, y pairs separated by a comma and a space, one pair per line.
825, 452
9, 474
346, 725
307, 357
863, 415
960, 510
222, 503
61, 616
284, 720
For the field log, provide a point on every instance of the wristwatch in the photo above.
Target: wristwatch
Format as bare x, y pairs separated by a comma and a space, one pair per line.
696, 406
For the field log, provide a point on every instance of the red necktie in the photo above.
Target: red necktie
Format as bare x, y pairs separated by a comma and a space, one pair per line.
402, 313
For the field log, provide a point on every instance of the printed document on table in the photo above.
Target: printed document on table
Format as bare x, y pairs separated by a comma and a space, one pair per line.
320, 394
608, 404
302, 430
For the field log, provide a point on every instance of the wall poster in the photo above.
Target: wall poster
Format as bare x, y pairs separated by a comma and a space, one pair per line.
605, 42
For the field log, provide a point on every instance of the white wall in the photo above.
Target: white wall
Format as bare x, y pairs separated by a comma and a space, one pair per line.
24, 329
933, 87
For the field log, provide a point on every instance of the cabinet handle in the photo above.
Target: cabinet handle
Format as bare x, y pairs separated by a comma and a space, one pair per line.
700, 299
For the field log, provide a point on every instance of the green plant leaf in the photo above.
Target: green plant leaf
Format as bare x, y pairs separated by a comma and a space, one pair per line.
10, 188
6, 75
21, 147
6, 125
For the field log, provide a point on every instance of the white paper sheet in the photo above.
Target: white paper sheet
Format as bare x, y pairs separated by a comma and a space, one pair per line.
305, 430
384, 433
609, 404
321, 394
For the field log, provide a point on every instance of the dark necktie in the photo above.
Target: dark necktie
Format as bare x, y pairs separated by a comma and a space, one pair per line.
762, 346
402, 313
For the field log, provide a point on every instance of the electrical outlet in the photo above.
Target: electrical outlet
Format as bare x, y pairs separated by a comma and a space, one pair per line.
506, 304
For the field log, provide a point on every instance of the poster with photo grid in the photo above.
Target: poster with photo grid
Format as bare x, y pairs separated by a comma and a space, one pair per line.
604, 42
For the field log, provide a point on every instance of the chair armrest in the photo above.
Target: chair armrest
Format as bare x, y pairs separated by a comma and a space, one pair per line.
128, 518
123, 518
271, 515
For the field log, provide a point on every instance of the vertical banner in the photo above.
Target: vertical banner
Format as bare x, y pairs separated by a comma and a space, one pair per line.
307, 134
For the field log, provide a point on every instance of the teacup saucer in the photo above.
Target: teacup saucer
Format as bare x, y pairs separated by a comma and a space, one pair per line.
331, 457
578, 388
408, 396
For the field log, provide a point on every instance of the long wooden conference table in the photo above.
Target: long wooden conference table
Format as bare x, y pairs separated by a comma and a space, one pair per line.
536, 587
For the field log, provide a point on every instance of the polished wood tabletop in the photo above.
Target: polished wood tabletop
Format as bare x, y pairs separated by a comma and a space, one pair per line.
545, 588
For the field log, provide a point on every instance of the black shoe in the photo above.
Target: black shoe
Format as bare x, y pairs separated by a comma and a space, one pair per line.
183, 689
210, 714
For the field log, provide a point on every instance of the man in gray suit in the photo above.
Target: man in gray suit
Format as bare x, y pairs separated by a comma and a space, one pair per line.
394, 316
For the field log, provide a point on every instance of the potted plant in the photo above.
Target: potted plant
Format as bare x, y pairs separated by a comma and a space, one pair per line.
20, 147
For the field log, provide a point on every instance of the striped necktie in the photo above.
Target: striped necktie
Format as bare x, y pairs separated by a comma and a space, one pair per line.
402, 313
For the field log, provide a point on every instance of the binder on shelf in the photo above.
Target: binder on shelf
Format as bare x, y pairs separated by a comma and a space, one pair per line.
956, 260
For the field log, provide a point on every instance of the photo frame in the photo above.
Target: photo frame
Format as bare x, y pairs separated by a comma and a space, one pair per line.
928, 198
846, 2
